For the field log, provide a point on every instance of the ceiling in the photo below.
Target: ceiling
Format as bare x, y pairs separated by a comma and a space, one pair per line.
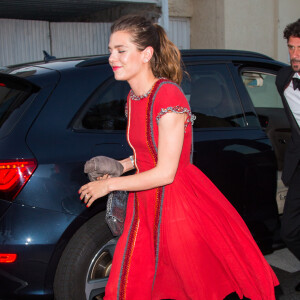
65, 10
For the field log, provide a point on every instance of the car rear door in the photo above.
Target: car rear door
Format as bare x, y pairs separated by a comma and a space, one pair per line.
231, 148
261, 88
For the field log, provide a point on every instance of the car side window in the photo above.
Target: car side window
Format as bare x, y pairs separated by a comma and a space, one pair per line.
106, 108
269, 109
262, 89
212, 96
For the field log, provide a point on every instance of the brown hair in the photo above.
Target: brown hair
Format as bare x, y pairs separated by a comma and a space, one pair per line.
292, 29
166, 59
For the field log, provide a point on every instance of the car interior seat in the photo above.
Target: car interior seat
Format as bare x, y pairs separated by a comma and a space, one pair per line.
206, 95
207, 103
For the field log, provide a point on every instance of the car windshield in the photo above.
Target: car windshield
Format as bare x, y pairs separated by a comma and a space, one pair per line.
13, 94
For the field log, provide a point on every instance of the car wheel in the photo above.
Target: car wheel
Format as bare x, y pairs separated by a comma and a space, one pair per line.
83, 269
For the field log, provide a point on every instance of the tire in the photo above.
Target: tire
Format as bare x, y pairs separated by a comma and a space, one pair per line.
85, 264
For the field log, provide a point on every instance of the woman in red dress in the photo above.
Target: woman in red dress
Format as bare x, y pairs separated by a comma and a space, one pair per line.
182, 239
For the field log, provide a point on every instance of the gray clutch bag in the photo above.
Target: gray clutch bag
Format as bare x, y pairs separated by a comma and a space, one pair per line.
117, 200
116, 211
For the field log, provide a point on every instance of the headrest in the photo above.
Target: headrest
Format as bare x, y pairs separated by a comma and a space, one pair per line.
206, 93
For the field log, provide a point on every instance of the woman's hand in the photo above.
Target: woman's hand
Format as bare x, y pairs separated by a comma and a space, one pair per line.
100, 165
94, 190
104, 177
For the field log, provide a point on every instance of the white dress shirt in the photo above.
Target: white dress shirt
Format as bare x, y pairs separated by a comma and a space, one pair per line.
293, 98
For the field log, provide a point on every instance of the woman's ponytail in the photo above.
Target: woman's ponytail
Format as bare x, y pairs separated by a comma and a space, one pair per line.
166, 61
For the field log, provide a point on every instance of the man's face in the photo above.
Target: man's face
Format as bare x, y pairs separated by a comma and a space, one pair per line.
294, 51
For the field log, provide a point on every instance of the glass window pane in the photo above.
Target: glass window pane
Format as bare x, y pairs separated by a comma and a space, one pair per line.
107, 108
13, 96
262, 89
212, 96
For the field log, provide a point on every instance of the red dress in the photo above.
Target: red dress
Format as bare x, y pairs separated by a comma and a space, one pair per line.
184, 240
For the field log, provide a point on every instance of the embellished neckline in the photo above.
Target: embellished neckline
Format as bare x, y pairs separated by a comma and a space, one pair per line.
134, 97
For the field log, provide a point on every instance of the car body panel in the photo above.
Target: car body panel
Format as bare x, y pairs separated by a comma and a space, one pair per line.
39, 223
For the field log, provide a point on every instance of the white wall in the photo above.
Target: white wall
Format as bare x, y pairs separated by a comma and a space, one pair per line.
179, 32
22, 41
76, 39
180, 8
180, 13
207, 24
255, 25
288, 12
258, 25
250, 25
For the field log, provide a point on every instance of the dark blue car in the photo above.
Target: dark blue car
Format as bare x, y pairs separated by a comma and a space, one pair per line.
54, 116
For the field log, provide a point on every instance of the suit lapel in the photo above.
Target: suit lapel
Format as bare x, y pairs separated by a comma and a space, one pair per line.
290, 115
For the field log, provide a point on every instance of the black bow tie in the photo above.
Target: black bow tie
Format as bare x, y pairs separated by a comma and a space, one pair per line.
296, 83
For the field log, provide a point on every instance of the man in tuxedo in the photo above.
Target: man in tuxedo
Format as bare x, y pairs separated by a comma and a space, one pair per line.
288, 85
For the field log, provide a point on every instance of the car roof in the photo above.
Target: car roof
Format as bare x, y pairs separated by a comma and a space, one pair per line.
86, 61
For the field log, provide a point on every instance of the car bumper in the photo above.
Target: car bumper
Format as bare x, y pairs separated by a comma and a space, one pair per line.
32, 234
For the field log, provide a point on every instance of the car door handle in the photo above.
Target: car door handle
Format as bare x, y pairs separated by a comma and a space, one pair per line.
282, 141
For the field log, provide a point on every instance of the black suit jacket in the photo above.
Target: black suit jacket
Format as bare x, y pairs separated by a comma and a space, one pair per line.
292, 154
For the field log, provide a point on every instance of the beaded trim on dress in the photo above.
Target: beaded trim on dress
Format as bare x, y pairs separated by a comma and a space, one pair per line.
134, 97
177, 109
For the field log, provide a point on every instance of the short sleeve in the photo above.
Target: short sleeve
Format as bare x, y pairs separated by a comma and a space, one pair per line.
170, 98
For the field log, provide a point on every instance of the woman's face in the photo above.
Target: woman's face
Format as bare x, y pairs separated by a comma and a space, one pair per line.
125, 59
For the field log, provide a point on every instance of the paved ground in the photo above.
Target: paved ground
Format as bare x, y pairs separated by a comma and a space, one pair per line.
287, 269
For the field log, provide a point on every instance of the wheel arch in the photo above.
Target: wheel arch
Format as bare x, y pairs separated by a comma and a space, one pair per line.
98, 208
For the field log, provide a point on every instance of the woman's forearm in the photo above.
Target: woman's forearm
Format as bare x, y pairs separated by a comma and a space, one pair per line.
142, 181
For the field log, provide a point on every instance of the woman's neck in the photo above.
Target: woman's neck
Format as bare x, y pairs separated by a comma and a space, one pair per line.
142, 84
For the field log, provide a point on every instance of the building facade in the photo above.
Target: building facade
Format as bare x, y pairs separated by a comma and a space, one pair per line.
253, 25
72, 28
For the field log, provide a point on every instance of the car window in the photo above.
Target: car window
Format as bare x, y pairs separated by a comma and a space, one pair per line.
212, 96
106, 109
269, 109
262, 89
13, 96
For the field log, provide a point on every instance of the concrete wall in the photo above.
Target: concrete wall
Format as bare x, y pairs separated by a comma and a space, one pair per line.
254, 25
207, 24
23, 41
235, 24
288, 12
180, 14
251, 25
179, 8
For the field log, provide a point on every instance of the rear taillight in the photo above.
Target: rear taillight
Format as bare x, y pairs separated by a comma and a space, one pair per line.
14, 174
7, 258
